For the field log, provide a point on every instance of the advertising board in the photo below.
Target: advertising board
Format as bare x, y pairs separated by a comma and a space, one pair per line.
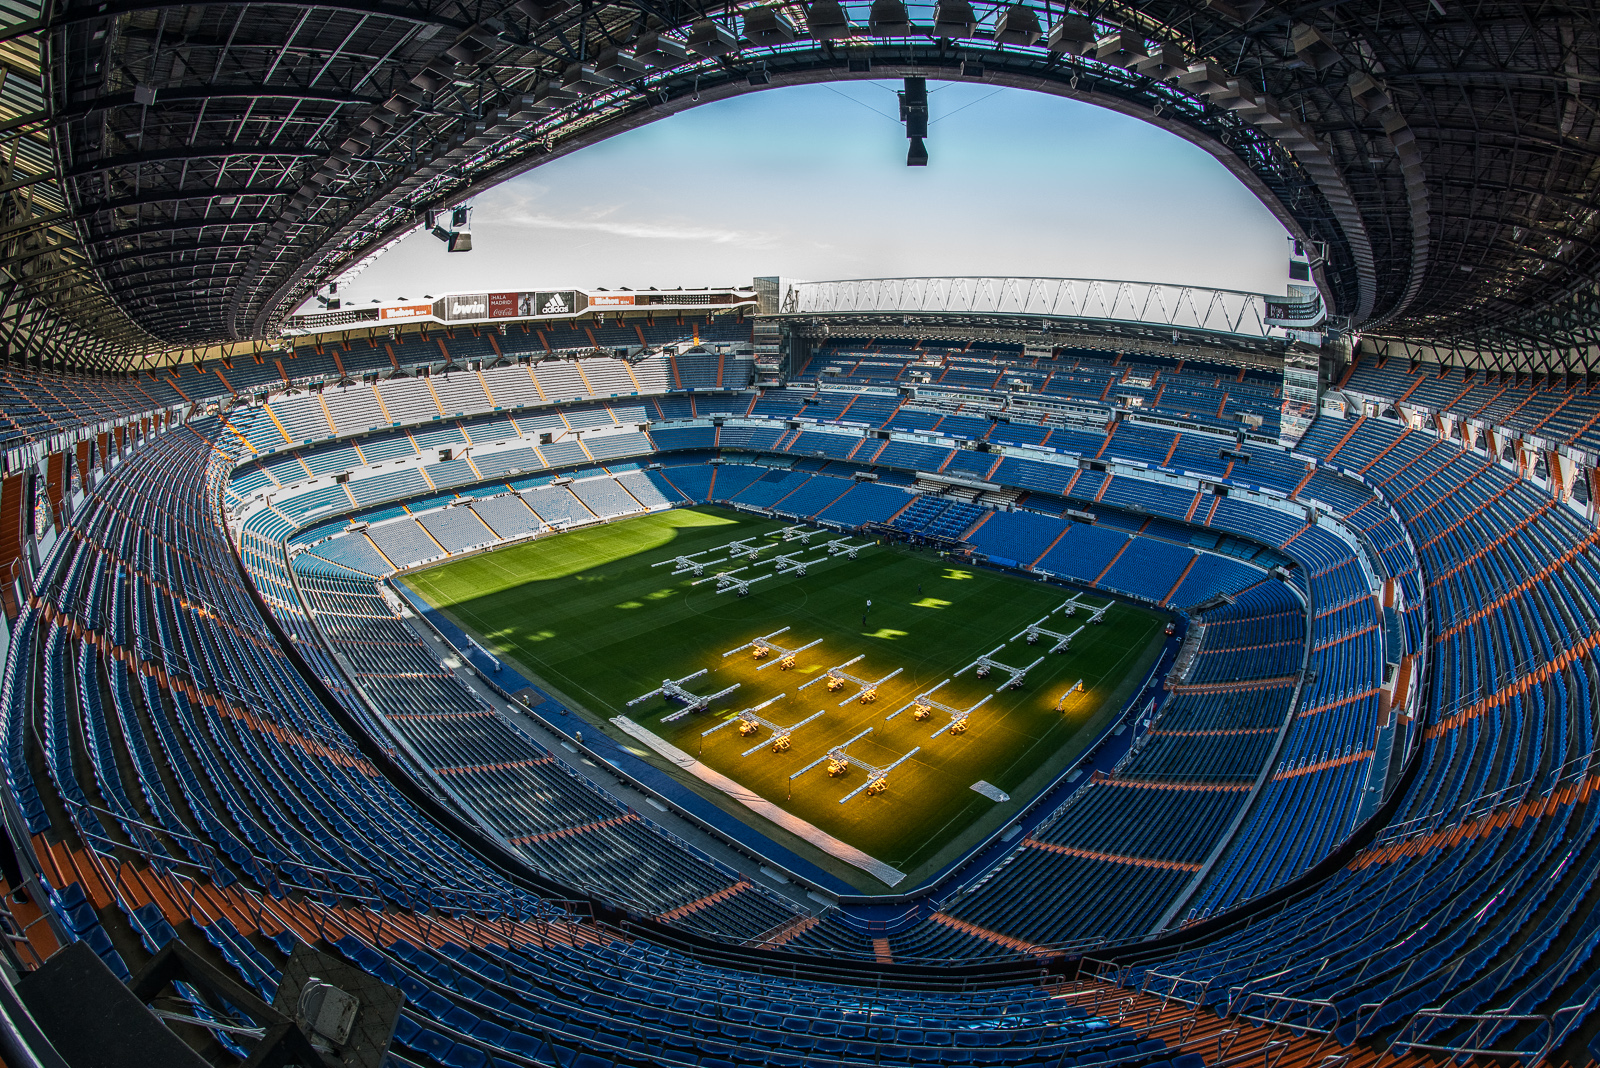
464, 306
405, 311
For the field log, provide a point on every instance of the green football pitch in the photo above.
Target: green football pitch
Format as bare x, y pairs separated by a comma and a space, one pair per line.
586, 615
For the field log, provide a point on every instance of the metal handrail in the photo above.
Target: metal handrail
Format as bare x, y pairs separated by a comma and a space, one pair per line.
1271, 1053
1495, 1020
1289, 1001
1238, 989
1203, 986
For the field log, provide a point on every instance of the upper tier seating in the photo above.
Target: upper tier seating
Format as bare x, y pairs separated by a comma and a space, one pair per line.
1562, 412
35, 405
1193, 392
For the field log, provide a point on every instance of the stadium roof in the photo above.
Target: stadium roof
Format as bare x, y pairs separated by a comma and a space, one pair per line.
185, 175
1223, 311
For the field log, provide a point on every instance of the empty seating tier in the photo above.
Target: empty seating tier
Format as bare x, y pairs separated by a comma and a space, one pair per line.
1389, 623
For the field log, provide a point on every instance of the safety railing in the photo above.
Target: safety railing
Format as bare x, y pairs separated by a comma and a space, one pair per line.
1321, 1016
1481, 1030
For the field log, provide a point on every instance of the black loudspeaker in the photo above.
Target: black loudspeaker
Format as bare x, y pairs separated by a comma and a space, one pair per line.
94, 1021
363, 1039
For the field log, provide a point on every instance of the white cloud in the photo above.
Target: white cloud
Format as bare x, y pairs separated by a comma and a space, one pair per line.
599, 222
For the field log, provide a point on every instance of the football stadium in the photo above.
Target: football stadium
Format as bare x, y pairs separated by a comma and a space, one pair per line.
945, 617
975, 670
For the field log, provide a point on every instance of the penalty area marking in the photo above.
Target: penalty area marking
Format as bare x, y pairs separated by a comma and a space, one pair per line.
762, 807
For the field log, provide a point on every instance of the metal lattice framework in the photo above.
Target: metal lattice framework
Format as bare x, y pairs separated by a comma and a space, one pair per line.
1222, 311
182, 175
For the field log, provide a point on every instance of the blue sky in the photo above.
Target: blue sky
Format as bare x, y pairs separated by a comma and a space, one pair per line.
810, 182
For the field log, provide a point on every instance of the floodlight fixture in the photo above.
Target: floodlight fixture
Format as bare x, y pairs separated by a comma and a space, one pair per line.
1124, 48
1073, 35
889, 18
435, 76
1166, 62
827, 21
707, 37
469, 50
659, 51
619, 64
582, 78
768, 26
553, 94
953, 19
1019, 25
1312, 47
